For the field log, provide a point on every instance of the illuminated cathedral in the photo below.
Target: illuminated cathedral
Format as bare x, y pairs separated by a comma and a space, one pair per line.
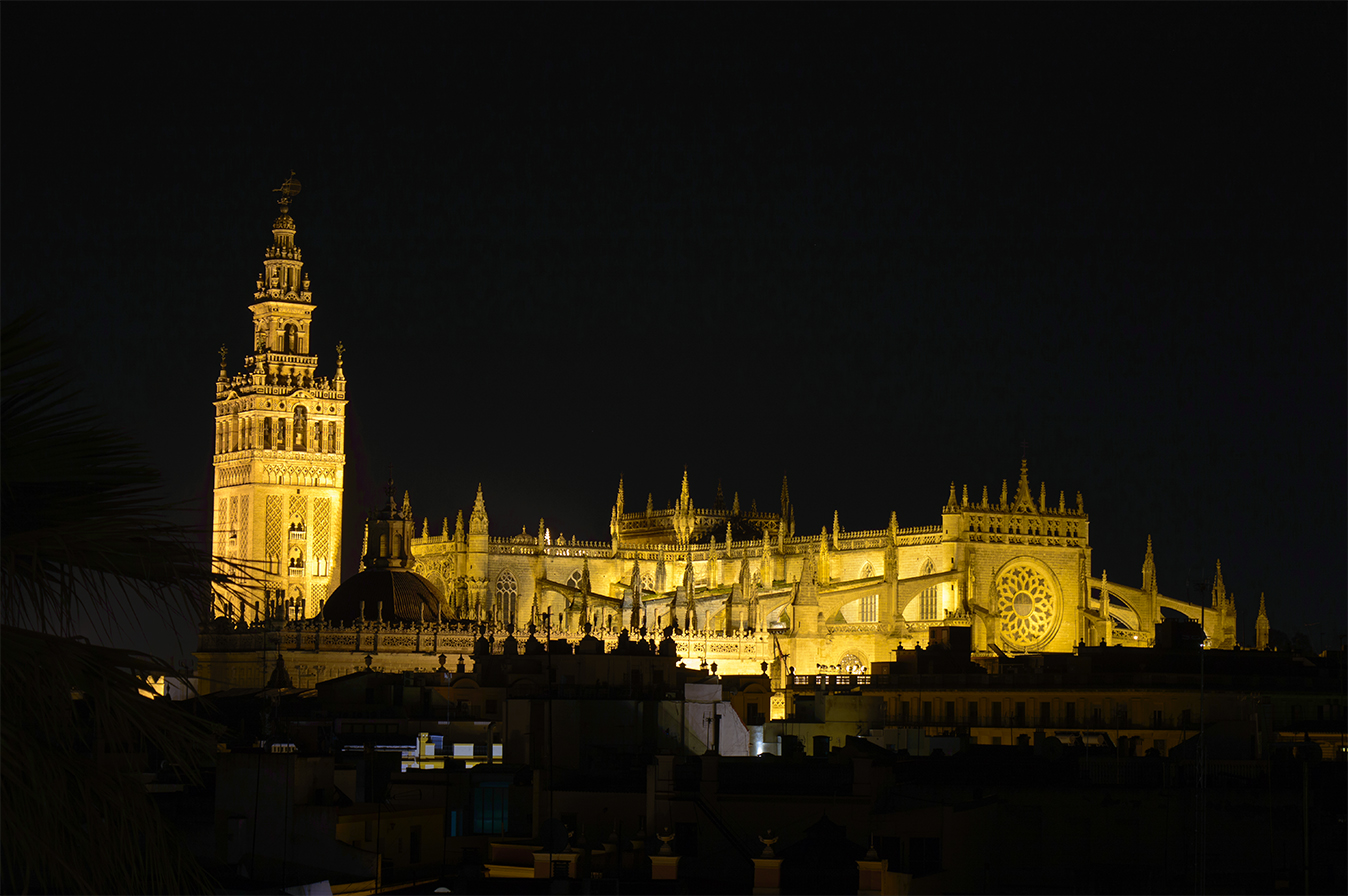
732, 587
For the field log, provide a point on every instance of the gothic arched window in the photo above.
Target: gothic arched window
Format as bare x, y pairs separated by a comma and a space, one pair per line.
506, 590
867, 571
574, 581
928, 598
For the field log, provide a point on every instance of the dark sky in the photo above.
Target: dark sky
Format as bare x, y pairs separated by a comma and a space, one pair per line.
874, 248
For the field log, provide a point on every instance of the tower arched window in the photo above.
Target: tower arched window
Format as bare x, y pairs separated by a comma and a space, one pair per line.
301, 427
291, 346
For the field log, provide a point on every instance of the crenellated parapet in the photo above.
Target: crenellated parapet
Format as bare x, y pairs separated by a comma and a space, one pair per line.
1017, 521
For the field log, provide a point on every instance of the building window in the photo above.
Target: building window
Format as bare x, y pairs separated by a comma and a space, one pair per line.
950, 712
1045, 713
866, 571
1156, 718
506, 591
1069, 710
973, 713
996, 713
491, 807
926, 712
301, 427
870, 608
1020, 713
927, 602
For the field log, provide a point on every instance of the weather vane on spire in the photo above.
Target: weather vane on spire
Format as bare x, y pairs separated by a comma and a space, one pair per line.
288, 190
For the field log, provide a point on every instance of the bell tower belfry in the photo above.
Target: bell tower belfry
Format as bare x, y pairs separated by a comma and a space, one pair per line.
279, 452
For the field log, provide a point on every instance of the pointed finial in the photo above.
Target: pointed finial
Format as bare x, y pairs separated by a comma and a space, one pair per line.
950, 502
964, 496
388, 489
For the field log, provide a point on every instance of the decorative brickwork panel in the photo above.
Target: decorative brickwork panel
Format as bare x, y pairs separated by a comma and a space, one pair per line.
317, 594
245, 524
220, 520
322, 512
297, 509
233, 543
275, 527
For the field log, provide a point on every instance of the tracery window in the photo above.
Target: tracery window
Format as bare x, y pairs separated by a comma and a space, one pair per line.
928, 598
870, 608
867, 571
506, 590
574, 581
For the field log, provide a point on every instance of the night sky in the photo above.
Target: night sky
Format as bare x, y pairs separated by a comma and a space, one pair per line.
874, 248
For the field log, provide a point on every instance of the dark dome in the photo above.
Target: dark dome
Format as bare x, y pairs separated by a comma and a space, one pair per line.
395, 595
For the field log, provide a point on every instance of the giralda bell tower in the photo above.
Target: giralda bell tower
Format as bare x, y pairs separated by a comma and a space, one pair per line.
279, 431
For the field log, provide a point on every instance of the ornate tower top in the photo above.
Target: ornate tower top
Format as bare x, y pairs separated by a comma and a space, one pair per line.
477, 520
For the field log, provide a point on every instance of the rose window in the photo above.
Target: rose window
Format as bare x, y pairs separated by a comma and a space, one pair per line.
1028, 603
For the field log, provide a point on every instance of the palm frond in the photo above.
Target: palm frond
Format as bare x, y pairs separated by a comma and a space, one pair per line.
72, 822
85, 532
83, 527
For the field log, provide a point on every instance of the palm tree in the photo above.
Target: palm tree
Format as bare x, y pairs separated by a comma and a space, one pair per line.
84, 534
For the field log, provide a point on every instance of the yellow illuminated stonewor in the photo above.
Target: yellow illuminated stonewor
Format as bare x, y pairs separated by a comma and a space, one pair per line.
1028, 604
739, 585
279, 435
